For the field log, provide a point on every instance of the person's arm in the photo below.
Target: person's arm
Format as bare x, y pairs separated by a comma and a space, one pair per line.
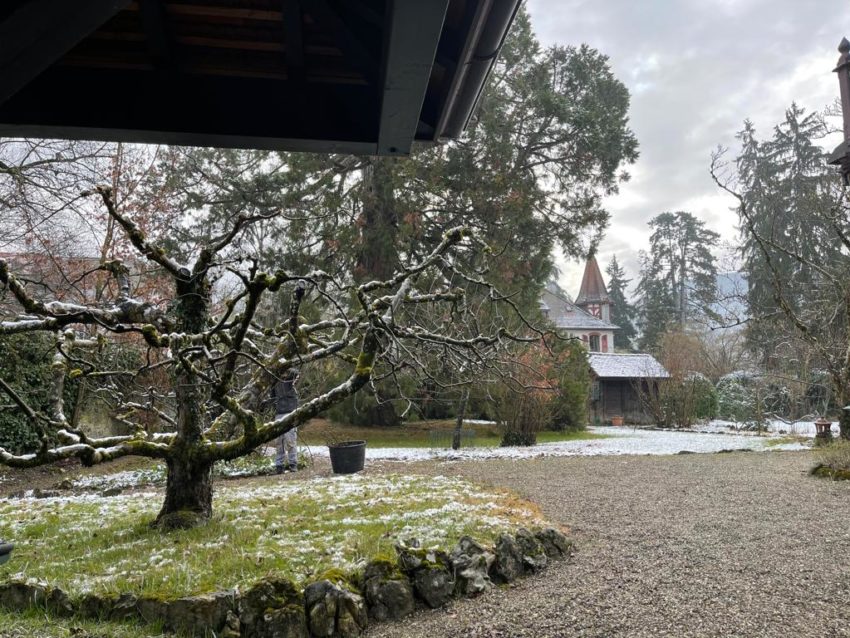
272, 399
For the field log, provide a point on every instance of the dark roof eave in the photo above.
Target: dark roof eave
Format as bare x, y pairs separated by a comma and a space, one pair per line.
609, 326
490, 32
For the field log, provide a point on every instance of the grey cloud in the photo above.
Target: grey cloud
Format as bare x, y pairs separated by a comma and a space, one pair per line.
696, 70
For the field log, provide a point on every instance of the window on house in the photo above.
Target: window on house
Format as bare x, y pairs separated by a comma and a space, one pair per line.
594, 343
604, 343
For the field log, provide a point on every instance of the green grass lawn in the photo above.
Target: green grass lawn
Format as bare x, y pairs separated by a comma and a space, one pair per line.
783, 440
36, 624
303, 530
422, 434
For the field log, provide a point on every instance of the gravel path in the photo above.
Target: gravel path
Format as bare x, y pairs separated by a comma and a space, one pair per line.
696, 545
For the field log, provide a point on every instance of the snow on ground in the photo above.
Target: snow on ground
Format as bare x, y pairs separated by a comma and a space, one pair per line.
299, 529
774, 426
623, 440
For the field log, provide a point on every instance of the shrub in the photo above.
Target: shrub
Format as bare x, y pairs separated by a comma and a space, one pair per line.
569, 405
741, 398
364, 409
553, 393
736, 396
25, 364
522, 415
819, 396
678, 401
686, 395
704, 396
381, 406
434, 403
777, 399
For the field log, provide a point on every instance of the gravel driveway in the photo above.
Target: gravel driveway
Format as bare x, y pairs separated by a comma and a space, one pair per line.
737, 544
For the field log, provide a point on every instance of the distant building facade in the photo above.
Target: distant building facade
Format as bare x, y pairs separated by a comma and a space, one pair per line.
589, 317
617, 383
617, 379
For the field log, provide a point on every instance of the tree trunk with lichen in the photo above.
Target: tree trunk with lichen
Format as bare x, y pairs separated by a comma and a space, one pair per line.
844, 421
188, 491
188, 487
461, 413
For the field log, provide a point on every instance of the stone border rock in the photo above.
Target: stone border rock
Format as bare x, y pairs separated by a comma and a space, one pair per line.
275, 608
825, 471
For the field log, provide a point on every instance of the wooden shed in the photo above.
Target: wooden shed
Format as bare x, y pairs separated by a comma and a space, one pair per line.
368, 77
615, 384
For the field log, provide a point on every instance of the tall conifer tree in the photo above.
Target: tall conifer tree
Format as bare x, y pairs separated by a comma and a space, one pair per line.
622, 312
785, 184
678, 281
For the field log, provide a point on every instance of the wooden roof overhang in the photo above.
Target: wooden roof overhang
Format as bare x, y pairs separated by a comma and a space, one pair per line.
350, 76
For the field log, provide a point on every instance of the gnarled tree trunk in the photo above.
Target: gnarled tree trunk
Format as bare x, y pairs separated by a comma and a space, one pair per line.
188, 487
188, 492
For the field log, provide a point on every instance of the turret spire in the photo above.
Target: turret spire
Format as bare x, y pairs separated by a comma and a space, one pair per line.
593, 295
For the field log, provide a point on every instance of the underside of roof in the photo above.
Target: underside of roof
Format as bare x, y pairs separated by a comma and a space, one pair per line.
352, 76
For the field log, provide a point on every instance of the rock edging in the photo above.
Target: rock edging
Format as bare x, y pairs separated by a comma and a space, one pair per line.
826, 471
275, 608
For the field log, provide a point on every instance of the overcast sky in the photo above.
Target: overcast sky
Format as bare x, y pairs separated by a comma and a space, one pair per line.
695, 70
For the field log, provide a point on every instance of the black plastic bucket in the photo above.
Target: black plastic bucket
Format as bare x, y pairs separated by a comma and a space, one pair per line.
348, 457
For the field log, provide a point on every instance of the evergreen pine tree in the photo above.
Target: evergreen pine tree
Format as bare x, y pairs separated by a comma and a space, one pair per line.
785, 186
678, 280
622, 312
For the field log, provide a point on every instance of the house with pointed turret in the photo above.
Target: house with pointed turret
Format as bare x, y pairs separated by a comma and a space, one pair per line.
593, 295
588, 317
616, 378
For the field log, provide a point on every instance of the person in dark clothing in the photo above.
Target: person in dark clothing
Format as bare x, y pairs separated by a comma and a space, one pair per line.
285, 399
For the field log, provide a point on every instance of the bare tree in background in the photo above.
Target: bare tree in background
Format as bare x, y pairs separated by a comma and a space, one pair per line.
216, 353
820, 315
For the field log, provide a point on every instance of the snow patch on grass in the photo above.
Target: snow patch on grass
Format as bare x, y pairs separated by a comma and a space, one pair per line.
774, 426
253, 465
85, 543
625, 440
124, 480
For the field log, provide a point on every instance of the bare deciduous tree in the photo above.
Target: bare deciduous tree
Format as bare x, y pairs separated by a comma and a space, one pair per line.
218, 354
822, 318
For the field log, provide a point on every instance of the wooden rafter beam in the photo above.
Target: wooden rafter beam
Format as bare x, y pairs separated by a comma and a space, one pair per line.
224, 12
294, 38
414, 32
154, 21
38, 33
328, 17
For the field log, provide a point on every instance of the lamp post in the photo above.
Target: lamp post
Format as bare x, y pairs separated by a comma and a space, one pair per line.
841, 155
